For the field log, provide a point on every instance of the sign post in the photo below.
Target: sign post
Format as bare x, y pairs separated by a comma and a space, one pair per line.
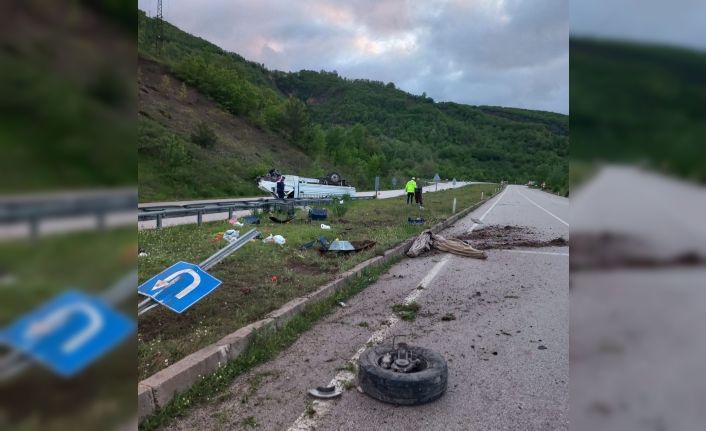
437, 178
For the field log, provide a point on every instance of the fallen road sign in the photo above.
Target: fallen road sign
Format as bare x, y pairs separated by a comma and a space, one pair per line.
180, 286
69, 332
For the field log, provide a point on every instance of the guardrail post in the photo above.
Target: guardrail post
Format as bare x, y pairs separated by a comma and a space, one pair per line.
230, 213
100, 220
34, 227
199, 218
159, 221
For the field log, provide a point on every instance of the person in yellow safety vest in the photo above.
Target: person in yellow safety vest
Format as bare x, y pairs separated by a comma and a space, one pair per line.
409, 188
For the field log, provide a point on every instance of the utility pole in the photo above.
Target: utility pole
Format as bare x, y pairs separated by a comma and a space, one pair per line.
160, 27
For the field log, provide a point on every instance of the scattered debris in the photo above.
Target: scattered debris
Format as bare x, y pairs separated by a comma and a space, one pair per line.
318, 214
427, 240
416, 220
234, 221
231, 235
507, 237
274, 279
323, 392
448, 317
348, 246
342, 304
542, 347
476, 221
282, 221
325, 227
277, 239
252, 219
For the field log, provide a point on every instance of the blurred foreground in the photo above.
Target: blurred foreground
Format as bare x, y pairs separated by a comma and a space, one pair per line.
638, 237
67, 73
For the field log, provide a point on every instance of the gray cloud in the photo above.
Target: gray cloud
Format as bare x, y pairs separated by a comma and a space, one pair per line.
480, 52
677, 22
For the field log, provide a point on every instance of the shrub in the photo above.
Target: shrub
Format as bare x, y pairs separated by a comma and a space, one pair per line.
204, 137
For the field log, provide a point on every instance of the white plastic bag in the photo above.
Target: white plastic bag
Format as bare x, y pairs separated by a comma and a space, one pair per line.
231, 235
277, 239
325, 227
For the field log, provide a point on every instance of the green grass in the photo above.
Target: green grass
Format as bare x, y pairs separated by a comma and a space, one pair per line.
406, 311
248, 292
103, 395
264, 346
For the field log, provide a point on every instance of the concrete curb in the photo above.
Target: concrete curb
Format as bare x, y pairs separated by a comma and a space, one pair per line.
157, 390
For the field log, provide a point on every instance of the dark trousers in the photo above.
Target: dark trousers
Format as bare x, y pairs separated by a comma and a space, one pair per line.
280, 190
410, 197
418, 196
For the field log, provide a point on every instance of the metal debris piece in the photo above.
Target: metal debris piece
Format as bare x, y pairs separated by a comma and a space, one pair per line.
325, 392
341, 246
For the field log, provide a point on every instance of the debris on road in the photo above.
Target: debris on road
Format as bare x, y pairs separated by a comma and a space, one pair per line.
325, 392
507, 237
427, 240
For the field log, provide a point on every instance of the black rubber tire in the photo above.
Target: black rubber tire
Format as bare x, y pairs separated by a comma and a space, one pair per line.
400, 388
334, 178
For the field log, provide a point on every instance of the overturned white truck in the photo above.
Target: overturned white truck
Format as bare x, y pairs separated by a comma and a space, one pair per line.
296, 187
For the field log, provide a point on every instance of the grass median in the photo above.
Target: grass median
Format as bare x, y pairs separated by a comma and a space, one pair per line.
261, 277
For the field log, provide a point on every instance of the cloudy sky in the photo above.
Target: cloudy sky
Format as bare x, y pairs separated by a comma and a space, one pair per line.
480, 52
675, 22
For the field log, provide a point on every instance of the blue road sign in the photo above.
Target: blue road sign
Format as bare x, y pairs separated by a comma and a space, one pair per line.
69, 332
180, 286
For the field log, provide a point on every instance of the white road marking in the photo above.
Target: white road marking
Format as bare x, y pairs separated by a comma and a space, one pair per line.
306, 422
542, 208
550, 253
481, 218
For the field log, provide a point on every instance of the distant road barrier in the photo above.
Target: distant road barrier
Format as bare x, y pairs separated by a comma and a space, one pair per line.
158, 213
36, 208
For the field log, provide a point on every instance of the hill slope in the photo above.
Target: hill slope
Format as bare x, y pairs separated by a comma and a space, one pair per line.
362, 128
632, 102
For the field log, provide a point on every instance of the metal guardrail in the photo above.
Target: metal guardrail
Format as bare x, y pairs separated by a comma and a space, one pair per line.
159, 213
33, 209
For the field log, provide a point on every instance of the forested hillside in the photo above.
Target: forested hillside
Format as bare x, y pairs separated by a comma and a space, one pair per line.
360, 128
639, 103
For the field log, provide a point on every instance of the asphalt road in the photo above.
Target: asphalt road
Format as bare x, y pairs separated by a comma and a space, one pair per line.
505, 308
151, 224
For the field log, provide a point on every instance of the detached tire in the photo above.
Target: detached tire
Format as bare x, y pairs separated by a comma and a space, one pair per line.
407, 389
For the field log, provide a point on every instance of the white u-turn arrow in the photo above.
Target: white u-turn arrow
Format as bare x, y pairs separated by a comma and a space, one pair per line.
171, 279
54, 320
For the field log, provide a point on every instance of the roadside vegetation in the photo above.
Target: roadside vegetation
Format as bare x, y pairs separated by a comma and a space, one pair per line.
261, 277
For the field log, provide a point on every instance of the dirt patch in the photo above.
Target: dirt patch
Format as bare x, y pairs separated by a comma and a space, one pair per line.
610, 250
507, 237
304, 267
